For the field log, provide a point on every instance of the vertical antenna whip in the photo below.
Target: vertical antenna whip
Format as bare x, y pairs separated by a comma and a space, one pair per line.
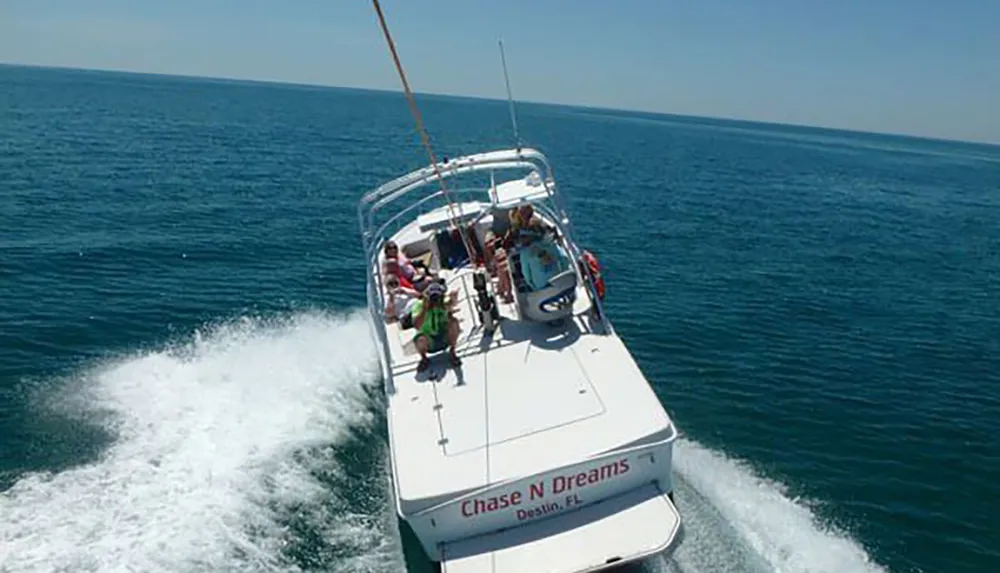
510, 99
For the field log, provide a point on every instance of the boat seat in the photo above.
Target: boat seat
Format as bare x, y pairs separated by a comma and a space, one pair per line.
551, 303
424, 258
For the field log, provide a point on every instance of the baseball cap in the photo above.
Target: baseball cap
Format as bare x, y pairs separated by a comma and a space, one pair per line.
434, 289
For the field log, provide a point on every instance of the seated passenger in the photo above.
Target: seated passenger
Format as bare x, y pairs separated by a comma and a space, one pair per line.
516, 230
519, 218
436, 327
391, 250
526, 226
407, 274
399, 301
540, 261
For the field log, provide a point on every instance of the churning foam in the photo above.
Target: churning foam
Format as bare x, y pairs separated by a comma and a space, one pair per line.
206, 460
205, 454
776, 533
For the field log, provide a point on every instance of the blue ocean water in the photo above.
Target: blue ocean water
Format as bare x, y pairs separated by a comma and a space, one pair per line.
186, 382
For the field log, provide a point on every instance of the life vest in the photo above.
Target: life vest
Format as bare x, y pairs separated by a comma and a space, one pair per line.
594, 268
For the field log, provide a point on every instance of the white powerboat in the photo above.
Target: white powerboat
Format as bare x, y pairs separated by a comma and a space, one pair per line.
546, 449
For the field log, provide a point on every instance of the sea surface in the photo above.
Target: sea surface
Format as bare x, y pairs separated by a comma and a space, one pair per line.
188, 383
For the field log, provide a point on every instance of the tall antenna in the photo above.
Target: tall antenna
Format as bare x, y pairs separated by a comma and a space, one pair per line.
510, 98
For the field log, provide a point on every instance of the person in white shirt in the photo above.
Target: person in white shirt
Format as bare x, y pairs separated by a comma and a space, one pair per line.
399, 301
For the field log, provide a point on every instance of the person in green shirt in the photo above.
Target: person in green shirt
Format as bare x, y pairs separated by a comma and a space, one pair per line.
436, 327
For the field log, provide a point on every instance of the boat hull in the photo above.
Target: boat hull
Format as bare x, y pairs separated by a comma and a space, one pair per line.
548, 496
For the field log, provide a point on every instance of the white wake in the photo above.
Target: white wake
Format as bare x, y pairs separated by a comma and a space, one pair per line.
737, 521
209, 457
209, 436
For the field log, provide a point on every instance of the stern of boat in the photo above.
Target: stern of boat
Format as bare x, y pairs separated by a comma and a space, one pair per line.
610, 509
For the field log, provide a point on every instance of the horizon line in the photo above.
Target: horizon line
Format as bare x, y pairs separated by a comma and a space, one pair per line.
274, 82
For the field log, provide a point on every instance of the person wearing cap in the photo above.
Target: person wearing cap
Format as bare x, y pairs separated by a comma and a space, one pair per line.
436, 327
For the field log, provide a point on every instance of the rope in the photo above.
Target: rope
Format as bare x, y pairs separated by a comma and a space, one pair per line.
423, 133
451, 214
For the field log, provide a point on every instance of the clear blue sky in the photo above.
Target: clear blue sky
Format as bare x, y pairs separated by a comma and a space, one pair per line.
903, 66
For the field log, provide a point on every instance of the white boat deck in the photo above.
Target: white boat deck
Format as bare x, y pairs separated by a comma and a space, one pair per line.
542, 397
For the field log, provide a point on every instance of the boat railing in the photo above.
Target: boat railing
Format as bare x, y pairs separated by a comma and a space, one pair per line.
381, 231
505, 159
373, 238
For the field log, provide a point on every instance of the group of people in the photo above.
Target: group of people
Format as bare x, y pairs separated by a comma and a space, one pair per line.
416, 298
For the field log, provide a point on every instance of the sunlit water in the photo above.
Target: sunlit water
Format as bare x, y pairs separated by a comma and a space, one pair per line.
187, 382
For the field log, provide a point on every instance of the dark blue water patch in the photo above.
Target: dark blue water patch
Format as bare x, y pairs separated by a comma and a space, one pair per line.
40, 432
